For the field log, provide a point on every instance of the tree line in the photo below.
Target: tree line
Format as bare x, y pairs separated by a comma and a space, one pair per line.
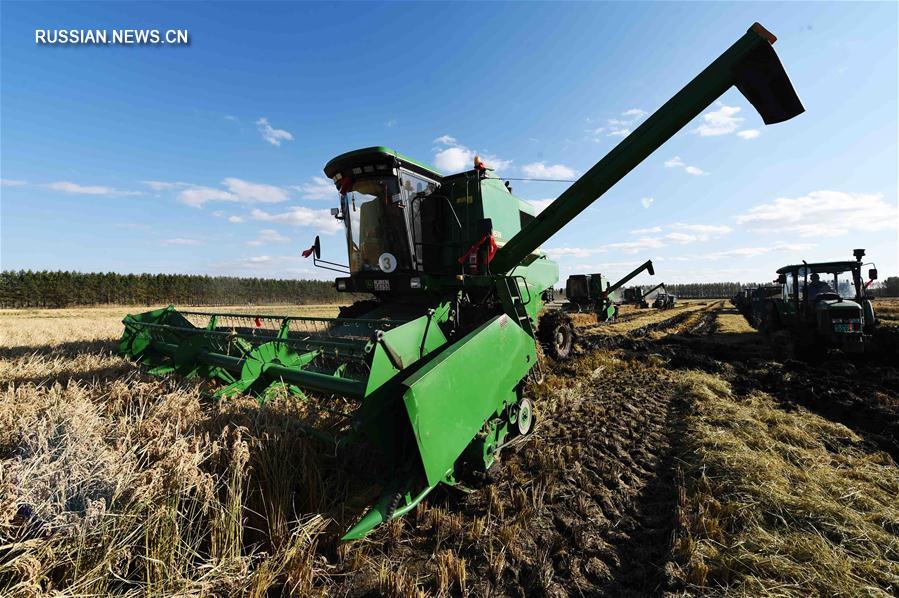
26, 288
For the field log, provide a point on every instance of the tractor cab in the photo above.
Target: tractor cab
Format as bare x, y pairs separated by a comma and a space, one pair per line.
832, 298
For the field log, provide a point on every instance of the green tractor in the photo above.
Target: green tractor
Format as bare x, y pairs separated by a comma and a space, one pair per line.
664, 300
823, 306
432, 373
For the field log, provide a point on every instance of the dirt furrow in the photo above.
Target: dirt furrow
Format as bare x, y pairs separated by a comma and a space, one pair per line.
862, 394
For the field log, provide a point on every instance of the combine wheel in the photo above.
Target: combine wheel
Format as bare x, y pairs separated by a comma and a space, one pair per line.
557, 335
525, 421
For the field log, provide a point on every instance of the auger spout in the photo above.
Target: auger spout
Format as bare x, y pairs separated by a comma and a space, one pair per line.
653, 289
647, 265
751, 64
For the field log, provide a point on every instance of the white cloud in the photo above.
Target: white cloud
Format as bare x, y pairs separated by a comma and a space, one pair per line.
647, 201
237, 190
497, 164
540, 204
539, 170
557, 252
649, 239
715, 229
641, 244
722, 121
180, 241
11, 183
676, 162
390, 123
270, 265
165, 185
196, 196
451, 156
683, 238
744, 252
254, 192
454, 159
231, 118
235, 219
68, 187
696, 232
271, 134
748, 133
604, 267
621, 127
267, 236
822, 214
647, 231
320, 220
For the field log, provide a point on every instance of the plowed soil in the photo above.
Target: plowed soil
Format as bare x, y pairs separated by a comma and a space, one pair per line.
605, 498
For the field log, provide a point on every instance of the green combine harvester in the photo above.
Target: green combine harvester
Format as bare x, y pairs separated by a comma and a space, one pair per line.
593, 291
637, 296
432, 373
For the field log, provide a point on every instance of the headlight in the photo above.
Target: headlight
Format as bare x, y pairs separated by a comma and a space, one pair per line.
341, 285
414, 283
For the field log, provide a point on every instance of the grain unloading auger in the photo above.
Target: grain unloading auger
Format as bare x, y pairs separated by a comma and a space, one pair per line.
432, 373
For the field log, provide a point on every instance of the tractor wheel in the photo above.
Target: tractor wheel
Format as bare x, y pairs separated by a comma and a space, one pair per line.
768, 322
525, 420
556, 334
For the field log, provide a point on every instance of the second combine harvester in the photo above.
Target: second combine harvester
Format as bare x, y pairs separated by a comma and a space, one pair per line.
434, 372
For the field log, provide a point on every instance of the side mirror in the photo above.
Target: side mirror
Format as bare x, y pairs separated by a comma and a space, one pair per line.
650, 269
782, 279
336, 213
317, 248
872, 274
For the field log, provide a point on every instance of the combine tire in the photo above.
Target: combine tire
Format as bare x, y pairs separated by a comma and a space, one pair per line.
556, 334
525, 419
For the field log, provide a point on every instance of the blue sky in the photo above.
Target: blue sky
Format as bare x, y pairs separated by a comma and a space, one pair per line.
204, 158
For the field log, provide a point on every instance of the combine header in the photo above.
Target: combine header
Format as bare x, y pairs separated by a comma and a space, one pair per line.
433, 374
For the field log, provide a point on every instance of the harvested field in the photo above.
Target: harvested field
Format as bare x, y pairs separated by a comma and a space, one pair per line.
676, 454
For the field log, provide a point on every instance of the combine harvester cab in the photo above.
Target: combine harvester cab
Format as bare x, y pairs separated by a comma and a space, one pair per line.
433, 373
823, 305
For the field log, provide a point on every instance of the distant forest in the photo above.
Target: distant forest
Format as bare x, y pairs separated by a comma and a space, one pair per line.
25, 288
68, 289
